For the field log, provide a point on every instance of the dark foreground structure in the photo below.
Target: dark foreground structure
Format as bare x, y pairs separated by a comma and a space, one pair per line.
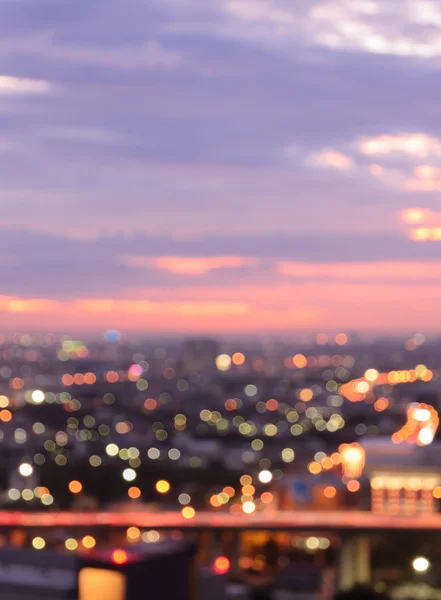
163, 571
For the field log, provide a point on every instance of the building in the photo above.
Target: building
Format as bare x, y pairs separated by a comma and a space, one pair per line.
403, 477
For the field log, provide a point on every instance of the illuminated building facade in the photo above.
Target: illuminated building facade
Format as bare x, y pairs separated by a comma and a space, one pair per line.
404, 492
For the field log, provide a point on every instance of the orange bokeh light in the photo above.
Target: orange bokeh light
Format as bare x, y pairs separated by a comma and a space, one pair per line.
119, 557
327, 463
381, 404
150, 404
353, 485
134, 492
75, 486
221, 565
112, 376
88, 542
272, 404
330, 491
238, 358
315, 468
16, 383
67, 380
267, 497
5, 416
299, 361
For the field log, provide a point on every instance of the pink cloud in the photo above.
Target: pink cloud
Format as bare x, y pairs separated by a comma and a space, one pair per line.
190, 265
365, 271
333, 159
413, 144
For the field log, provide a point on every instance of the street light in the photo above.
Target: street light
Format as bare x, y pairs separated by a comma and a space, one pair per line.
420, 564
353, 460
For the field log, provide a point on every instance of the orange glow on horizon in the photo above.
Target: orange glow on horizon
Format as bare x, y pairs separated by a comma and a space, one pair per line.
380, 291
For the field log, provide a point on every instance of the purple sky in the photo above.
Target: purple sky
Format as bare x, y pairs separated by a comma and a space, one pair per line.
270, 131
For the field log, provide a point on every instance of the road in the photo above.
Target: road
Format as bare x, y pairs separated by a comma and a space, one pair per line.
338, 521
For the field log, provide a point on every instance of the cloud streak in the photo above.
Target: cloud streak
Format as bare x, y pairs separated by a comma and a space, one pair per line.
189, 265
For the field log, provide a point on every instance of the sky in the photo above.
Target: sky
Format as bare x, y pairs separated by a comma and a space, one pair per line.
221, 166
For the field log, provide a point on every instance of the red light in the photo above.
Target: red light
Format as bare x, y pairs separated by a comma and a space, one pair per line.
221, 565
119, 557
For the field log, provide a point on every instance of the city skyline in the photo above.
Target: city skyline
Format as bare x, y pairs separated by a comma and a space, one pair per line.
214, 168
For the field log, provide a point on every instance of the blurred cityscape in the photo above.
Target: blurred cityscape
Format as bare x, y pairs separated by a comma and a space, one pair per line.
312, 465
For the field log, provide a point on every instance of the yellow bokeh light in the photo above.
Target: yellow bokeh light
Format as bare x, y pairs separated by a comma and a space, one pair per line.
162, 486
88, 542
371, 375
223, 362
437, 492
312, 543
133, 534
71, 544
362, 387
188, 512
38, 543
